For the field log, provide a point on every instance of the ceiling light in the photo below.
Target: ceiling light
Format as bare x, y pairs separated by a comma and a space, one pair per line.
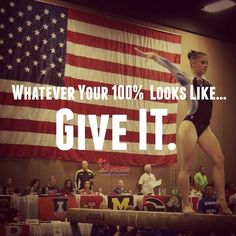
219, 6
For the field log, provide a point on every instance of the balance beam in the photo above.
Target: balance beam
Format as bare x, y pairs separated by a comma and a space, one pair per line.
161, 220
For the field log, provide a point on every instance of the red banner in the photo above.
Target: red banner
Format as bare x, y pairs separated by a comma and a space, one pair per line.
55, 208
90, 201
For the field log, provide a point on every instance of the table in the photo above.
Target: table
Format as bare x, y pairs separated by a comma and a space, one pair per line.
27, 205
55, 228
54, 208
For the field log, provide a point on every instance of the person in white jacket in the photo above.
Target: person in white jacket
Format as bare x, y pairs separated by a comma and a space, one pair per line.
147, 181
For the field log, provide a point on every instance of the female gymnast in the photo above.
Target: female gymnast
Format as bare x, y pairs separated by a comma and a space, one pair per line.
195, 128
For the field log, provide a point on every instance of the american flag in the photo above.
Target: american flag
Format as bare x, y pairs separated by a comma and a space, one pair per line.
46, 45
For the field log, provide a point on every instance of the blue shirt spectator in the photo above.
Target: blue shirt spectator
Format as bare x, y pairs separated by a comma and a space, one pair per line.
207, 204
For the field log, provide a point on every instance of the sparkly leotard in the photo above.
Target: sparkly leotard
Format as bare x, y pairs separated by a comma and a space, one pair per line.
199, 111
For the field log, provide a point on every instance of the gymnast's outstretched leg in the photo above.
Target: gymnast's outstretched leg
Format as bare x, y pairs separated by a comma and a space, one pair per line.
187, 142
211, 146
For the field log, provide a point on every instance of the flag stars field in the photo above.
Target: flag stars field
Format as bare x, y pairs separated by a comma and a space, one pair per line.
31, 28
58, 47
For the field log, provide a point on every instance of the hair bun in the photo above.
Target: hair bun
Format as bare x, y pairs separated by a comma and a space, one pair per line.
191, 53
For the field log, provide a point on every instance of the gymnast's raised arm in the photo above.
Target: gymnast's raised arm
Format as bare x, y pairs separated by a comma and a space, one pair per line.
181, 77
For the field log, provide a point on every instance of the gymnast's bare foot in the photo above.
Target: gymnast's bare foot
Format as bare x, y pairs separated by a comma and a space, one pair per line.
187, 210
223, 208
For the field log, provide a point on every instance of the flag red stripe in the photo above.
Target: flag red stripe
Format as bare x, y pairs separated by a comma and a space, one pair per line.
123, 26
50, 128
71, 82
81, 108
34, 125
112, 45
105, 66
115, 158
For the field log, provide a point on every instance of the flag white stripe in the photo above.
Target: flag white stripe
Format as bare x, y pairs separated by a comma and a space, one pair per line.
48, 140
112, 56
112, 78
124, 37
48, 115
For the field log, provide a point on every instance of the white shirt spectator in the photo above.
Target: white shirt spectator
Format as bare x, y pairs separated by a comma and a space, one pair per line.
147, 181
195, 193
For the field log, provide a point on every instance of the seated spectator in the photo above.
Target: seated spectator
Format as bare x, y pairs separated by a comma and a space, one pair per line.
10, 188
99, 192
120, 188
232, 198
207, 204
68, 188
140, 206
51, 187
103, 230
196, 191
13, 216
126, 230
34, 187
86, 190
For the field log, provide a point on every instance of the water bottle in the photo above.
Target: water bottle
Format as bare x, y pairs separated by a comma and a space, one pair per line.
32, 191
100, 191
46, 190
163, 192
75, 190
78, 184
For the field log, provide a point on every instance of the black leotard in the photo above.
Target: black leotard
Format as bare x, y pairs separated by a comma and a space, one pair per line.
202, 116
199, 111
